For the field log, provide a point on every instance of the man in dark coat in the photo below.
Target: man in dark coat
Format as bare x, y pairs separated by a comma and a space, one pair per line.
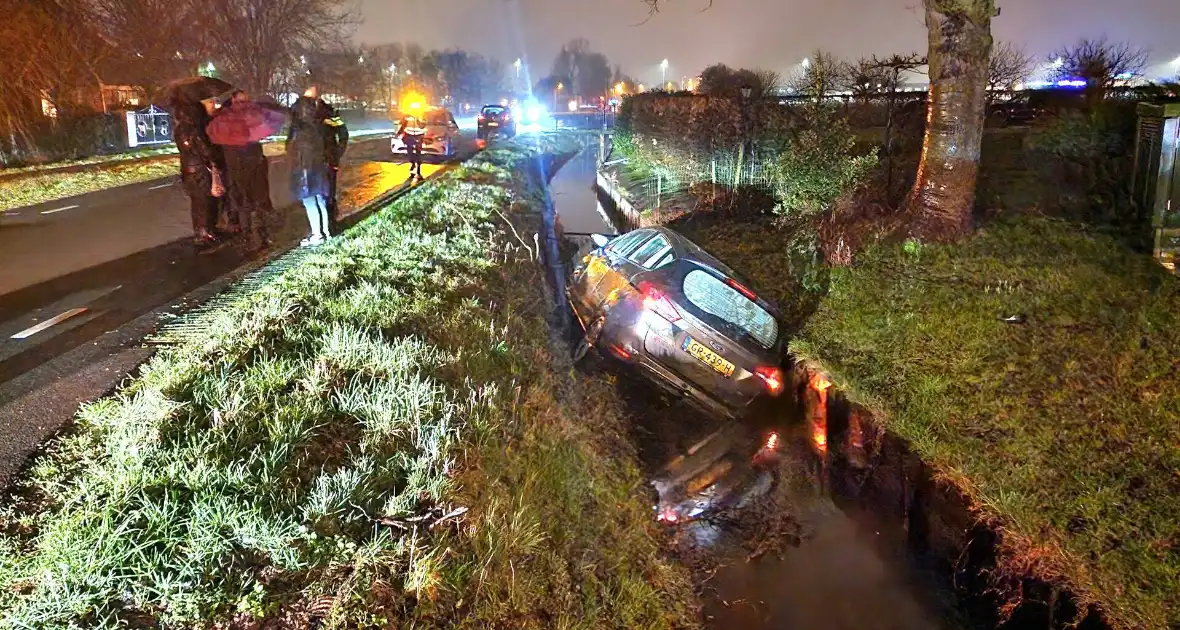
313, 150
336, 138
201, 168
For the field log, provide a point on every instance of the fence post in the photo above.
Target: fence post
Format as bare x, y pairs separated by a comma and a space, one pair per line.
659, 191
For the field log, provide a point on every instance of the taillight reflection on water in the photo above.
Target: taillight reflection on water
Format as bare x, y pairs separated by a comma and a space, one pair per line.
819, 415
772, 378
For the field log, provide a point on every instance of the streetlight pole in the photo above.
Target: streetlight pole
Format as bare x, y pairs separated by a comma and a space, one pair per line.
664, 74
517, 64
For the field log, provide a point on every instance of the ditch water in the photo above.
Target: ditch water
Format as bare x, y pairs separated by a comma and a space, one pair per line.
792, 554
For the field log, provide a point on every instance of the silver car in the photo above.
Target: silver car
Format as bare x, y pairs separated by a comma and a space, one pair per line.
655, 300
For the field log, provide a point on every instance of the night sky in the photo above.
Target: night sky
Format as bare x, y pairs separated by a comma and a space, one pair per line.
758, 33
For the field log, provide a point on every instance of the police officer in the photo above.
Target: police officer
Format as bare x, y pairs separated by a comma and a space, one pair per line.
336, 142
412, 131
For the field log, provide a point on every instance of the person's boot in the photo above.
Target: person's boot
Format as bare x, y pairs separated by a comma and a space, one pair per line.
205, 241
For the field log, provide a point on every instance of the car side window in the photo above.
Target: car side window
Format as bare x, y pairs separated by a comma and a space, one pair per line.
624, 245
655, 253
650, 251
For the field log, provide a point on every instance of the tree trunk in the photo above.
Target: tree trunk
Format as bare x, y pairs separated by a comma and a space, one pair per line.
943, 195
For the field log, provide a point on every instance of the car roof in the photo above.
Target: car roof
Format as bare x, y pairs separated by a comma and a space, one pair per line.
496, 107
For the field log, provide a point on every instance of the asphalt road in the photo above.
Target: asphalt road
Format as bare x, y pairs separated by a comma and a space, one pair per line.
83, 280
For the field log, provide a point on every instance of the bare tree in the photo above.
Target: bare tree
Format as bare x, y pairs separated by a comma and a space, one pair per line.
820, 76
1009, 65
159, 40
47, 54
891, 69
865, 78
1100, 63
943, 196
256, 39
721, 80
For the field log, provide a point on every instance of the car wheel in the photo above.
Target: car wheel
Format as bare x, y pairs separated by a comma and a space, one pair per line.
589, 339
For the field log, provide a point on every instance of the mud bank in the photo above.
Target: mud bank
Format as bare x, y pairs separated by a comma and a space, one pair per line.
867, 468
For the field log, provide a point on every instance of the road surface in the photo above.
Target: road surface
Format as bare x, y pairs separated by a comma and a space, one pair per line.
84, 279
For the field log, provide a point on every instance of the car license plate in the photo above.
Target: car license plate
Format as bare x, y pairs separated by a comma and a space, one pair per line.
708, 357
491, 124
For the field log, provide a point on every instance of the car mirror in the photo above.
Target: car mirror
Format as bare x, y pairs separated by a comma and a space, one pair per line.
600, 240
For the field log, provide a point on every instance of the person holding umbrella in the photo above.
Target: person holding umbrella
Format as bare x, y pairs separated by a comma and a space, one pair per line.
202, 164
314, 150
239, 125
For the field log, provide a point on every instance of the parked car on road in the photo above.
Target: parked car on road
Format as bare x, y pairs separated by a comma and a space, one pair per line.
493, 119
653, 299
442, 134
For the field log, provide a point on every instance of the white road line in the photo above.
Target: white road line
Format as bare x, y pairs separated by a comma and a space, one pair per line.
160, 186
29, 332
58, 210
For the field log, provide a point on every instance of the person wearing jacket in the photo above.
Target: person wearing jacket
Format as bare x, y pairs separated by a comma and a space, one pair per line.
337, 144
314, 149
202, 168
247, 181
412, 131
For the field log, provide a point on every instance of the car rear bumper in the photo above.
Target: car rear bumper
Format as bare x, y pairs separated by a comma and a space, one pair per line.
672, 382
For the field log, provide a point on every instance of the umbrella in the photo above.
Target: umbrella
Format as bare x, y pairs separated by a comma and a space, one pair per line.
246, 122
193, 90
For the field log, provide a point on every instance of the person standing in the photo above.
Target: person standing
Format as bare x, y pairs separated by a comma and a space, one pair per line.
336, 144
412, 131
202, 166
248, 180
313, 150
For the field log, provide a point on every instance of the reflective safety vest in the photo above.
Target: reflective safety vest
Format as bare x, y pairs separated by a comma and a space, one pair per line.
412, 127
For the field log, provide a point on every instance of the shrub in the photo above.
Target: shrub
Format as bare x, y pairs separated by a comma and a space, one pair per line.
818, 166
1087, 157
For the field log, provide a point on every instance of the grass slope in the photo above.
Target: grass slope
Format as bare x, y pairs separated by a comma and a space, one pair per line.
42, 187
379, 438
1066, 427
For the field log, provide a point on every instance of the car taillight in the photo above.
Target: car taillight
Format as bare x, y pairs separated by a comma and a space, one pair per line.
741, 288
772, 378
482, 118
656, 302
507, 117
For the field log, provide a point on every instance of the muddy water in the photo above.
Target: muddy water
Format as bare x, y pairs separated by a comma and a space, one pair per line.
573, 195
792, 555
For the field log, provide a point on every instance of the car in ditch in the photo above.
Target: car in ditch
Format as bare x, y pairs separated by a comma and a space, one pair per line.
442, 134
655, 300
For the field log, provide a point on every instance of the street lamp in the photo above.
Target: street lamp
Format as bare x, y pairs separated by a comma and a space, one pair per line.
806, 63
664, 73
746, 91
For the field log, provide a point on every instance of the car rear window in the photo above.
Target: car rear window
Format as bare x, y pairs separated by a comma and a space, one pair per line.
438, 117
493, 111
713, 296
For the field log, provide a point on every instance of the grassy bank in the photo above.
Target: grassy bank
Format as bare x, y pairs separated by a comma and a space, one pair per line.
1063, 426
379, 438
36, 185
40, 187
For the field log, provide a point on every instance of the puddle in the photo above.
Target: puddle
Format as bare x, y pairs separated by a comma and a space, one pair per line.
772, 546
